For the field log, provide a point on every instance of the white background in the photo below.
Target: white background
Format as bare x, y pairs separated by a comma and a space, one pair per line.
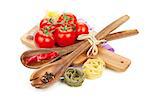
18, 16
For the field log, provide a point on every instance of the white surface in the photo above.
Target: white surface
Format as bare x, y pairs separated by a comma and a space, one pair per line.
18, 16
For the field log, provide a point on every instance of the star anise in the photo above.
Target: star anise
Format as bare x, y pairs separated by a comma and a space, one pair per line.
47, 77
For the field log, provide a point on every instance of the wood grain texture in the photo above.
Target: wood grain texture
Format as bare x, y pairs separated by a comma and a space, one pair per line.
113, 61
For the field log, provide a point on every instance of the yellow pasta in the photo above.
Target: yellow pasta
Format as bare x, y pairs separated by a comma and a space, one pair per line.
52, 14
93, 68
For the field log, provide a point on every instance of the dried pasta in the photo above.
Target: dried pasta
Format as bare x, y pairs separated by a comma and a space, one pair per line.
73, 77
93, 68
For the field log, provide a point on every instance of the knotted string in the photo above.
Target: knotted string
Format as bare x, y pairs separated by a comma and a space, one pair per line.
93, 50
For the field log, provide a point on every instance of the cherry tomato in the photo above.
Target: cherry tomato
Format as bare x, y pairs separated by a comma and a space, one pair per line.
81, 28
44, 40
67, 18
65, 35
46, 22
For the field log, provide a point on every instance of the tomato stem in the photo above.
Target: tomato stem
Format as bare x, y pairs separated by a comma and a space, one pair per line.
66, 18
46, 32
51, 20
65, 28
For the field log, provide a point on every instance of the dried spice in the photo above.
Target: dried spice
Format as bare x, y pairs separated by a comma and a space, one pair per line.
40, 57
47, 77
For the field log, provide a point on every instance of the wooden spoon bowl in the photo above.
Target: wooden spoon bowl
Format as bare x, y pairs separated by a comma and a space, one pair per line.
60, 50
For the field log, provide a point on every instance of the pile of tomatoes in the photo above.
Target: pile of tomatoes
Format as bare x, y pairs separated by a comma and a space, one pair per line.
61, 32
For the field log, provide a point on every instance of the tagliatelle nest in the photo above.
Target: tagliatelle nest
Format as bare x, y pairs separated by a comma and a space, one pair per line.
93, 68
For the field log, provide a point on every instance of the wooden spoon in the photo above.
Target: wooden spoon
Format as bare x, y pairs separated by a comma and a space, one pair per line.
51, 73
61, 51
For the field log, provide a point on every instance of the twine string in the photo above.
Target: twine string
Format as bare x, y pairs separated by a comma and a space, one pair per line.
93, 50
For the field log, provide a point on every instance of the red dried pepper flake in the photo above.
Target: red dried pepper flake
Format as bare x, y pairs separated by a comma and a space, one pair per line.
40, 57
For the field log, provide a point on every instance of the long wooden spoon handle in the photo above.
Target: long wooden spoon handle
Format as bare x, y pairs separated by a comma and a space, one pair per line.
111, 27
121, 34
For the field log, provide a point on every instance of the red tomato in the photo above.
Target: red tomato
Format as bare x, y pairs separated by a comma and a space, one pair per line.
52, 28
48, 25
44, 40
65, 35
67, 18
46, 22
81, 28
